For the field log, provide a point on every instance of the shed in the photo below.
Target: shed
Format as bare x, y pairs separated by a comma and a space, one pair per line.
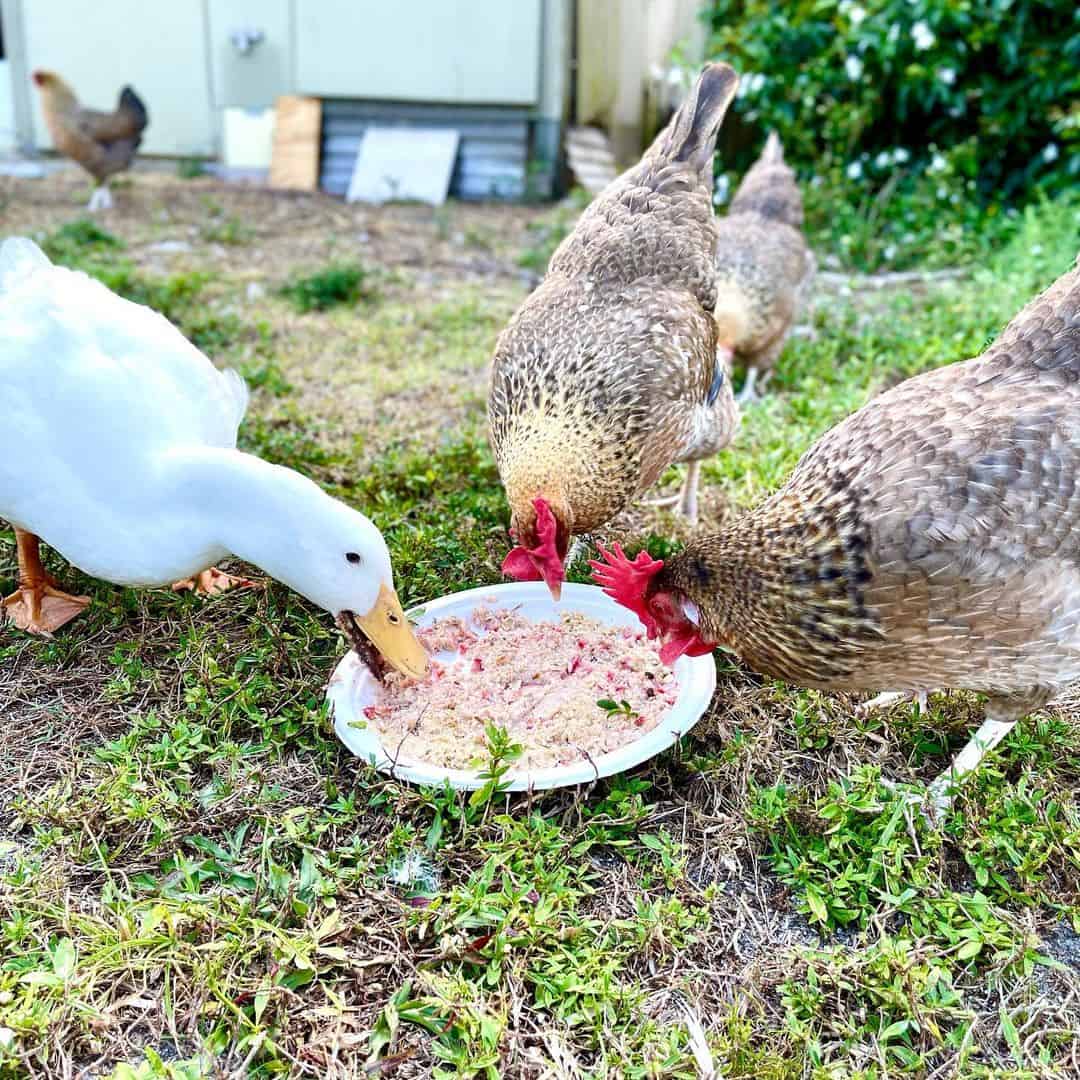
505, 74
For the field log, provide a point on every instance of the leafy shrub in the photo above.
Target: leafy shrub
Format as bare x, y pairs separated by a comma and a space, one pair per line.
328, 288
878, 83
227, 229
67, 243
190, 168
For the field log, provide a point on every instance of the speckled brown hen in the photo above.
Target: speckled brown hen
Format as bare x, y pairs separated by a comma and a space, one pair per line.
608, 373
763, 266
102, 143
931, 540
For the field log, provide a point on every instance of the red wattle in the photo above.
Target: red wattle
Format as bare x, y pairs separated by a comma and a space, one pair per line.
520, 566
685, 643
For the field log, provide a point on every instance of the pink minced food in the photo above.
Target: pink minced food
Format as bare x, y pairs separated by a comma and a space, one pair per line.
541, 681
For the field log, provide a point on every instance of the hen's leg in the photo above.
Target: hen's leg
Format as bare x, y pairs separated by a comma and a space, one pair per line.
891, 697
1002, 713
213, 582
37, 605
686, 499
748, 394
100, 199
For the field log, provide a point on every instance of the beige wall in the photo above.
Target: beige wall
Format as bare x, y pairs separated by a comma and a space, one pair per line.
179, 56
619, 43
474, 51
99, 47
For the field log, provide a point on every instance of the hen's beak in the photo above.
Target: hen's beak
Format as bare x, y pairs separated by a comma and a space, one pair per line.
387, 628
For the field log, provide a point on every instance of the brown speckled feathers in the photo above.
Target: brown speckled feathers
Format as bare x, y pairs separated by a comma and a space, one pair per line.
608, 373
763, 265
102, 143
930, 540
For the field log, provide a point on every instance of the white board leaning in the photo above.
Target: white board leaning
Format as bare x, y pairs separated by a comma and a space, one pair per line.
404, 165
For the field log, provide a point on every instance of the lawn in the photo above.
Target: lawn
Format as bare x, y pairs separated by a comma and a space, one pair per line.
197, 880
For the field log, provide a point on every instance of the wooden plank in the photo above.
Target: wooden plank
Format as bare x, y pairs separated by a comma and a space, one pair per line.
297, 131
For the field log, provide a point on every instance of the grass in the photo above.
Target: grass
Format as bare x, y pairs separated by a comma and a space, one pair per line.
330, 287
197, 880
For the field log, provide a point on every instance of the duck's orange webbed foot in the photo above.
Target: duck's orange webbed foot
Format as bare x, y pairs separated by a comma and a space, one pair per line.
213, 582
38, 605
42, 608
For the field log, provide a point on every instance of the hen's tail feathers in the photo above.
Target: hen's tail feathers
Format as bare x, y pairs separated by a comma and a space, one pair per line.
769, 188
130, 102
773, 154
19, 258
690, 138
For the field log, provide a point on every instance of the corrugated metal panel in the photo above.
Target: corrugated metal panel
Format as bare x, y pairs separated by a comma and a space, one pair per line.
492, 159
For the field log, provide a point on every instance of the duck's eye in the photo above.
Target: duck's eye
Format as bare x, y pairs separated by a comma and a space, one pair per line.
392, 618
352, 557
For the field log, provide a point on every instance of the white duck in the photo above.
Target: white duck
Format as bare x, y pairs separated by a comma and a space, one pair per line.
118, 448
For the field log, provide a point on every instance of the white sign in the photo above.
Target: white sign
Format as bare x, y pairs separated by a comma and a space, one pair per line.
404, 164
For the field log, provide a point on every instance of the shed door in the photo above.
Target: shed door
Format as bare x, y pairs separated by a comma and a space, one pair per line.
160, 49
455, 51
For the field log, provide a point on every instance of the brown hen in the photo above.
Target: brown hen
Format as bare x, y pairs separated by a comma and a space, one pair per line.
763, 266
930, 541
102, 143
608, 373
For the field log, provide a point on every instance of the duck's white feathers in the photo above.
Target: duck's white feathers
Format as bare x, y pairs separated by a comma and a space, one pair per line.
95, 392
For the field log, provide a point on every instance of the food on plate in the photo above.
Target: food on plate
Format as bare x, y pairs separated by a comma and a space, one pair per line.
565, 691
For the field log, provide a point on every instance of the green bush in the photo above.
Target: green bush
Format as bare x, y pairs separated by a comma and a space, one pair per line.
882, 83
71, 241
329, 288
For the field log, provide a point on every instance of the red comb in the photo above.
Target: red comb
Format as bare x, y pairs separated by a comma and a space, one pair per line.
627, 582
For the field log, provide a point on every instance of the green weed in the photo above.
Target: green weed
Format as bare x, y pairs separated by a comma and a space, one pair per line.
332, 287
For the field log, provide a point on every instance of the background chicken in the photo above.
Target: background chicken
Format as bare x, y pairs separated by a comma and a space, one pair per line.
608, 372
763, 266
102, 143
931, 540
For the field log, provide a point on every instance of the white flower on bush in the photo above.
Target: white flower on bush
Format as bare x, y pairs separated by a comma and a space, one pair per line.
854, 170
751, 84
854, 68
947, 75
893, 35
855, 13
937, 164
1050, 152
900, 155
923, 36
721, 189
890, 252
883, 160
942, 192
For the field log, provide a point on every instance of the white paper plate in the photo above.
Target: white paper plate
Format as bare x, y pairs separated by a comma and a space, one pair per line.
352, 688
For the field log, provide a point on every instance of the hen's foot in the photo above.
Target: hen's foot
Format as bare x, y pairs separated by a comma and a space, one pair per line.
42, 608
100, 199
939, 795
686, 500
892, 697
749, 394
214, 582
